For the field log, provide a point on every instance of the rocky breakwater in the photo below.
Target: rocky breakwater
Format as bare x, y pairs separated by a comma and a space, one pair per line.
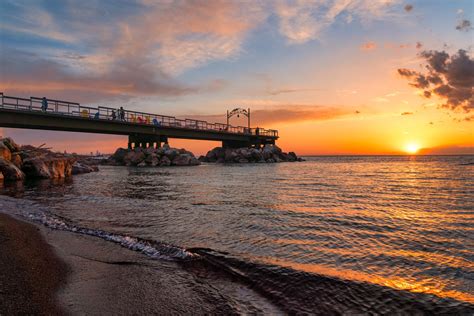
153, 157
266, 154
24, 162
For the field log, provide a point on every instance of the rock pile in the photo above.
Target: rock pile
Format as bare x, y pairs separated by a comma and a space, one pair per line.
18, 163
267, 154
153, 157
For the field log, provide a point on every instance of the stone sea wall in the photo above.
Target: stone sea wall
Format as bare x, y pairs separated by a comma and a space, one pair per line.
153, 157
23, 162
267, 154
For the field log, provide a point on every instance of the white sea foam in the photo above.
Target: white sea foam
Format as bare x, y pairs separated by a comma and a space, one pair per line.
36, 213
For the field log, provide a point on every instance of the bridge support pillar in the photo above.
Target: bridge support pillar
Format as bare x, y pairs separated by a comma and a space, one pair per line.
146, 141
235, 144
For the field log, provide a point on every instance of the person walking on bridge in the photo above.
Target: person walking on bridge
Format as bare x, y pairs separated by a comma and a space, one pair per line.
122, 113
44, 104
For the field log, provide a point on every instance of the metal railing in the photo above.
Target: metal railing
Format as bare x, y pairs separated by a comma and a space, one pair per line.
65, 108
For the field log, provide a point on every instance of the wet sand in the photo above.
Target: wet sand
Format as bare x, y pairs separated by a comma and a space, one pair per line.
30, 271
55, 272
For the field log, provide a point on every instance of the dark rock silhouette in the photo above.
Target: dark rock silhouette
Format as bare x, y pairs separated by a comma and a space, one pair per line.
20, 162
153, 157
267, 154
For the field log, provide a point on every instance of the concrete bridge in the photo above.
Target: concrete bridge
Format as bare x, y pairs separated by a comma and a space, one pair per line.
142, 129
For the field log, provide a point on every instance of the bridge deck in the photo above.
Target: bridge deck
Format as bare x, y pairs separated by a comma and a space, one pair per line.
69, 116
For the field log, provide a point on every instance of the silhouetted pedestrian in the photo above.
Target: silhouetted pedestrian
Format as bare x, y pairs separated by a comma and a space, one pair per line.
122, 114
114, 116
44, 104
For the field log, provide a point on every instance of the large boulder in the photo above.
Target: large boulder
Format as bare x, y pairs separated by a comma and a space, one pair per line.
79, 168
245, 153
119, 155
10, 171
230, 155
5, 152
215, 154
133, 158
187, 152
14, 147
16, 159
194, 162
36, 168
256, 154
152, 160
171, 153
267, 152
149, 151
60, 167
181, 160
48, 167
165, 161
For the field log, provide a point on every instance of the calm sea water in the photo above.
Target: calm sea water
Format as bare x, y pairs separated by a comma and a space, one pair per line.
403, 223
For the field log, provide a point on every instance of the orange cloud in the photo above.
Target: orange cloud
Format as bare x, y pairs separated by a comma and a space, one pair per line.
135, 55
368, 46
287, 114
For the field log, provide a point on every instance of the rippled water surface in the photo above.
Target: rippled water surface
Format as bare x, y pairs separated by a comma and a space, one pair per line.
401, 222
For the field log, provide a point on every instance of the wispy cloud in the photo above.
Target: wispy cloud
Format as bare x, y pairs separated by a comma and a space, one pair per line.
28, 72
129, 53
368, 46
101, 49
289, 113
305, 20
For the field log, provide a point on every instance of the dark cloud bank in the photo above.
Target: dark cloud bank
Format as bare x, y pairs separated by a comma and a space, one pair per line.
450, 77
464, 25
408, 7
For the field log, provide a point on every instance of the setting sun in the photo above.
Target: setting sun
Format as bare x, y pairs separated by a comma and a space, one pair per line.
412, 148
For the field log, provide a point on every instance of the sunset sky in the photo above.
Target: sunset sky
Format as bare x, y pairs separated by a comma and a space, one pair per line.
334, 77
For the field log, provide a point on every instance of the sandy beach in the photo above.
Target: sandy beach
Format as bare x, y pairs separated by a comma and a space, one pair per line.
51, 272
31, 271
